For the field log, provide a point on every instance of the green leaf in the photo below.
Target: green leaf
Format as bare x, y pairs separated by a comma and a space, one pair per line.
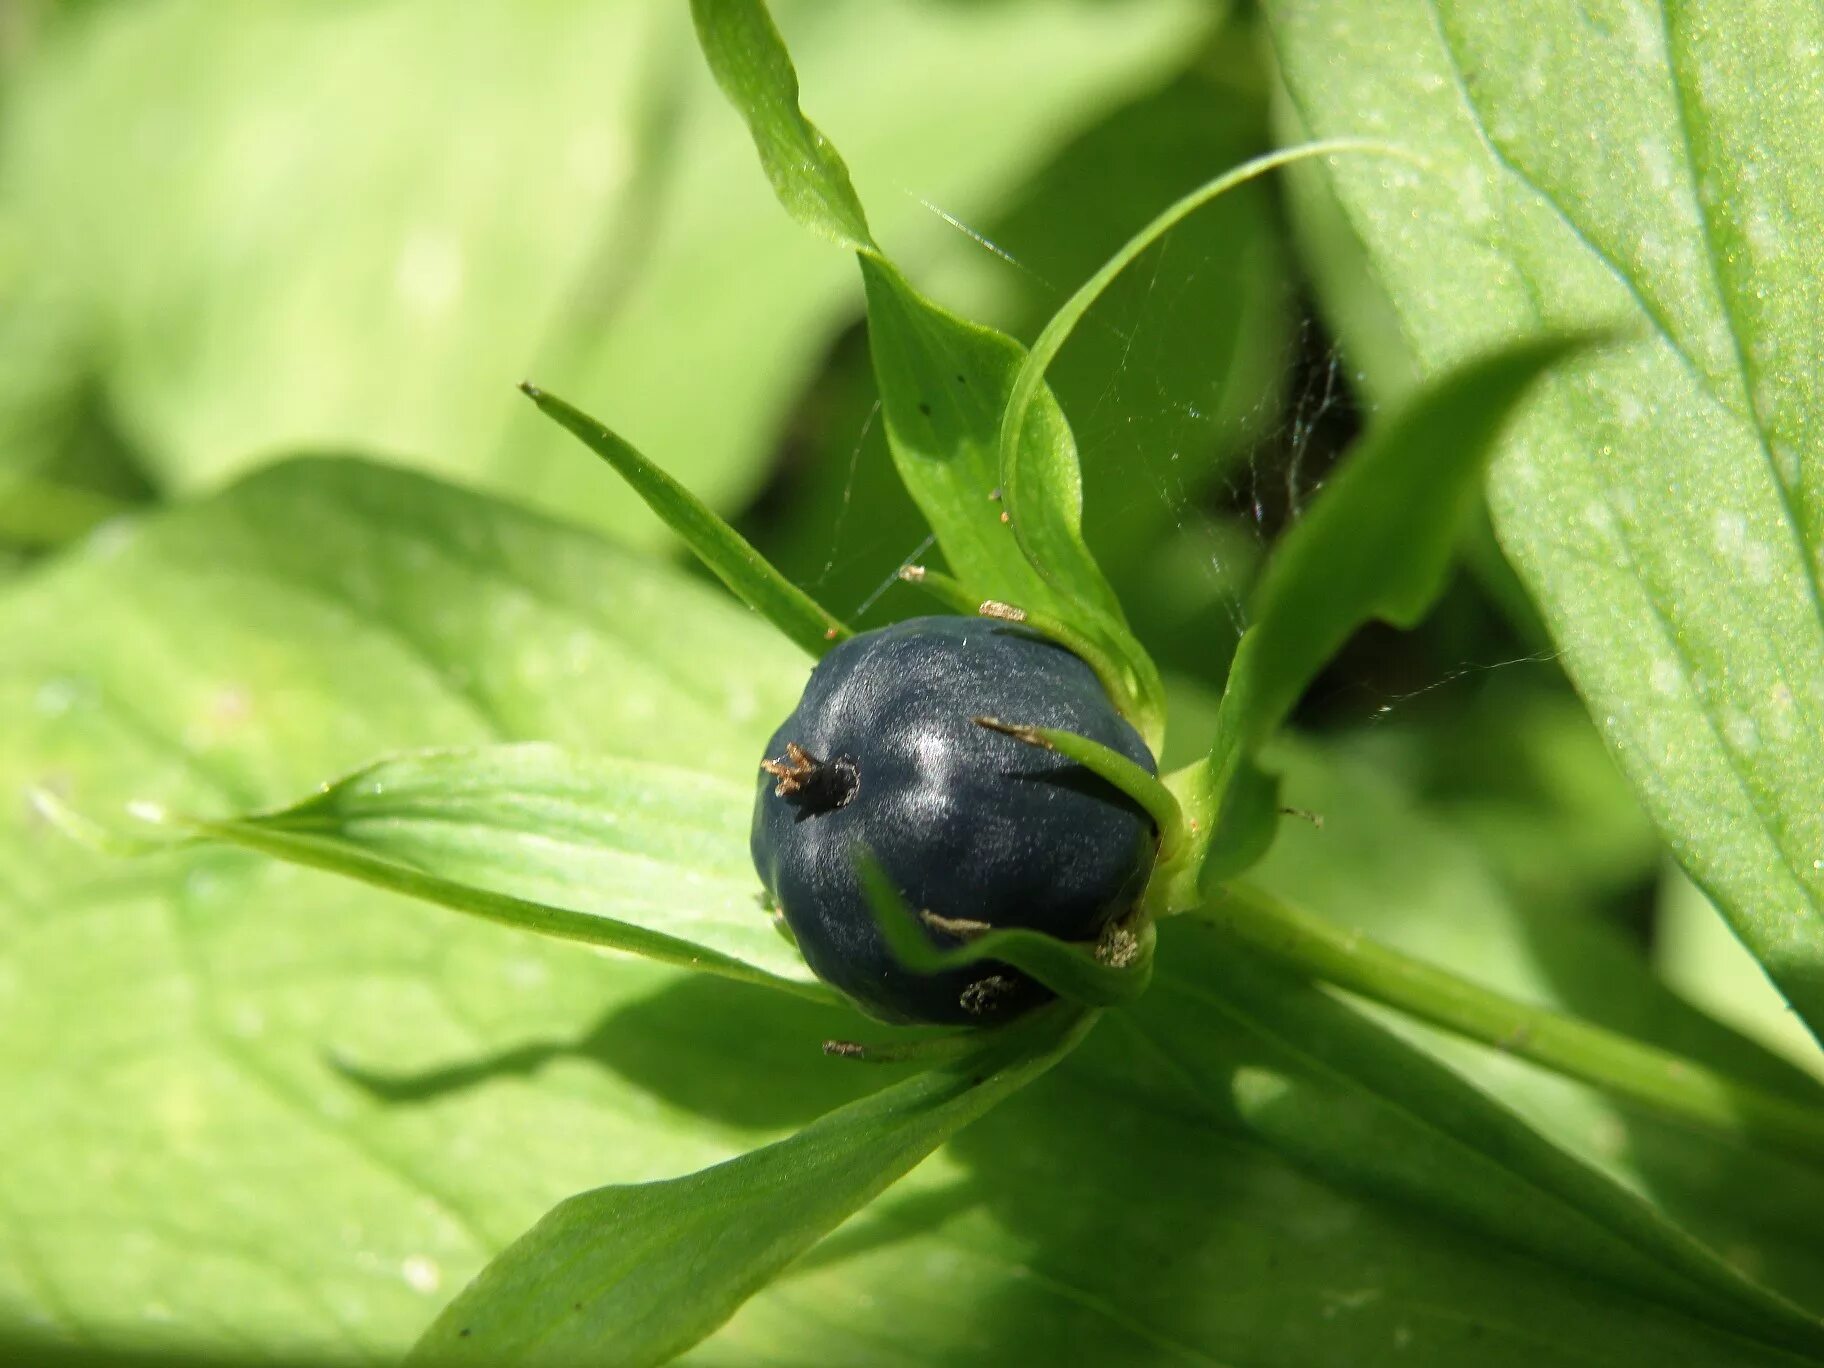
595, 224
626, 855
945, 383
748, 57
1177, 379
1663, 508
631, 1276
1317, 1079
1170, 1229
1376, 545
1386, 866
249, 1107
269, 1094
1049, 531
728, 555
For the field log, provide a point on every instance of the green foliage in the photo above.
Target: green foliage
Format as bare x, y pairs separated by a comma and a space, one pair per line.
1080, 973
205, 1054
725, 553
405, 1075
1627, 170
1414, 1093
1387, 866
686, 1253
1177, 376
606, 852
945, 383
357, 228
1376, 545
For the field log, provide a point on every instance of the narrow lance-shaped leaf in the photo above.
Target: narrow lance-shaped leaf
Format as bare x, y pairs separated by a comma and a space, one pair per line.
944, 382
630, 1276
729, 555
621, 854
1376, 544
1115, 969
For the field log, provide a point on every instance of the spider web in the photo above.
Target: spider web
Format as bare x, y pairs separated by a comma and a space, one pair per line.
1221, 513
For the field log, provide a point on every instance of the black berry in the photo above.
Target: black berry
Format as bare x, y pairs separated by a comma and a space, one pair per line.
970, 825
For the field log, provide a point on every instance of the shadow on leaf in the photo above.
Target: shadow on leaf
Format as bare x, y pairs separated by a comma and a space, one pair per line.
738, 1055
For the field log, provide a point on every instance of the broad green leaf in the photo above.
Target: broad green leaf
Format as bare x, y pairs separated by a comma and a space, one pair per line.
258, 1108
248, 1106
944, 382
624, 854
724, 551
1317, 1079
300, 271
1384, 866
1653, 169
1376, 545
1698, 954
1168, 1230
631, 1276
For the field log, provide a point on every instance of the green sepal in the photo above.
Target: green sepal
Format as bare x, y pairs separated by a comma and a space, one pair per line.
1105, 973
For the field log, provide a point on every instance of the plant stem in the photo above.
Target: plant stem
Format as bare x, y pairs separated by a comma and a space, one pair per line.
1666, 1082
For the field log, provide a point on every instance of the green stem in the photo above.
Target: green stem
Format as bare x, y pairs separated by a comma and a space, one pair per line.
1666, 1082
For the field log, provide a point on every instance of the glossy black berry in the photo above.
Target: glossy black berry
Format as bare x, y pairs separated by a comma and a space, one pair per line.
969, 824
